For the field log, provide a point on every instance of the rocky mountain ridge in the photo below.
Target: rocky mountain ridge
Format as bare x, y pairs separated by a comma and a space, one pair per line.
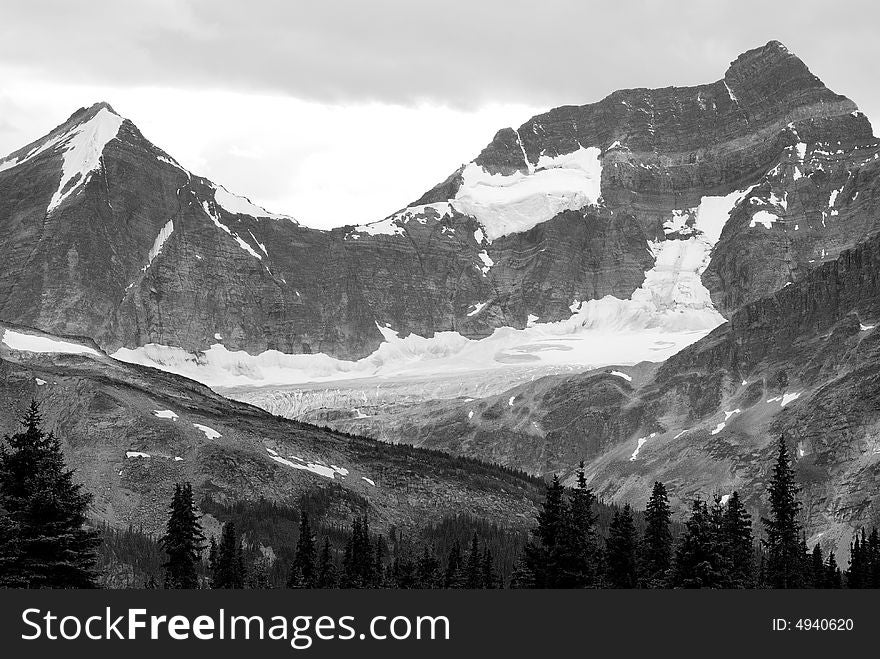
576, 205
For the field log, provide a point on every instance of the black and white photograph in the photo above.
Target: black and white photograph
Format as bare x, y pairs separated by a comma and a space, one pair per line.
429, 296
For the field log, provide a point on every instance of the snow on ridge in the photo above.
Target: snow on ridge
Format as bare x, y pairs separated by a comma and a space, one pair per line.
518, 202
82, 147
238, 205
620, 374
241, 243
35, 343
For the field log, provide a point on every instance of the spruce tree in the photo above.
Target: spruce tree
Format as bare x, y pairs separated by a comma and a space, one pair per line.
579, 553
428, 571
545, 549
620, 550
44, 542
785, 557
656, 548
227, 568
739, 544
302, 573
488, 570
817, 567
473, 566
697, 556
454, 575
327, 576
183, 540
832, 573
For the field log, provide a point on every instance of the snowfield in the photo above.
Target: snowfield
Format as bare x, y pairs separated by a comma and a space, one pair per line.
33, 343
518, 202
669, 311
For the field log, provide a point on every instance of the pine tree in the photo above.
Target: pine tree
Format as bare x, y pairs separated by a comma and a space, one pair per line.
817, 564
620, 550
454, 575
739, 544
488, 571
183, 540
579, 553
697, 556
259, 576
785, 558
302, 573
656, 548
327, 576
473, 566
544, 551
832, 573
428, 571
43, 539
227, 568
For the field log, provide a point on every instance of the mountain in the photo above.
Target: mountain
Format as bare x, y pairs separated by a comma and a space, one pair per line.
652, 212
132, 432
801, 363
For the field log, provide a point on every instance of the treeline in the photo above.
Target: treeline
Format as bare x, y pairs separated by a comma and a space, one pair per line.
577, 541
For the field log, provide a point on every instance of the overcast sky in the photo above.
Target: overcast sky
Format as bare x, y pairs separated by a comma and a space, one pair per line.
342, 111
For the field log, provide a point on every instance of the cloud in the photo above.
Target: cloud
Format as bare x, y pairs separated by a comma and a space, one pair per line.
455, 52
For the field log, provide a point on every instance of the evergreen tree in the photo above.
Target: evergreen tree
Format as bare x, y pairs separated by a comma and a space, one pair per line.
227, 568
579, 553
259, 576
327, 576
454, 575
785, 558
428, 574
738, 543
817, 567
620, 550
473, 566
488, 571
183, 540
302, 573
832, 573
43, 539
697, 557
543, 553
656, 549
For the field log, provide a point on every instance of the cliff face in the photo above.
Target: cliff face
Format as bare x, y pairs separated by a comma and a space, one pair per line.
104, 234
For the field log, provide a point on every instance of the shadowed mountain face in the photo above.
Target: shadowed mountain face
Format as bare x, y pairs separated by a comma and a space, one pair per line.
132, 432
103, 234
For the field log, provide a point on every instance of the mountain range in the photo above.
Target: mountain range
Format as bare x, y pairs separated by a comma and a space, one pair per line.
659, 283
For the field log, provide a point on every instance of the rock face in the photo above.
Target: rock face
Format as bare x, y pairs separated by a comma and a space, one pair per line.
132, 432
801, 364
103, 234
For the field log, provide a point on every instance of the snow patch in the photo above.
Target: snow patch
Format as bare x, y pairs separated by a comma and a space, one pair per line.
39, 382
719, 428
619, 374
641, 443
487, 262
164, 234
518, 202
787, 398
368, 480
241, 243
210, 433
237, 205
478, 307
33, 343
136, 454
165, 414
763, 217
